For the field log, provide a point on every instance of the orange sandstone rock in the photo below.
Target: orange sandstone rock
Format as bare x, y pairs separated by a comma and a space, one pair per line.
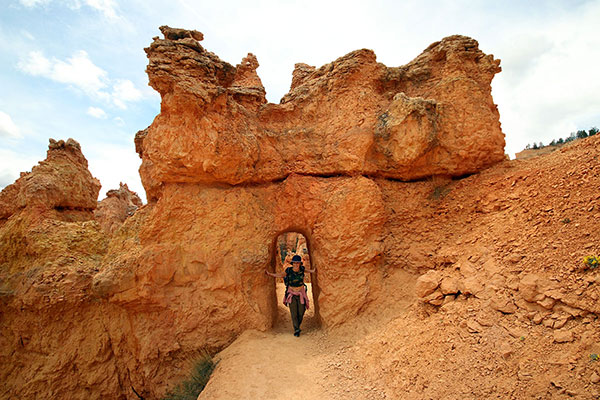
61, 183
341, 217
226, 173
116, 207
38, 211
433, 116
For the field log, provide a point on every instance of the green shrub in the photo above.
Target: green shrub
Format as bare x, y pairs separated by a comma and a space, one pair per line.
191, 387
591, 261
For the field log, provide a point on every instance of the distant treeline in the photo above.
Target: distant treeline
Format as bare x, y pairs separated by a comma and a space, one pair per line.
582, 134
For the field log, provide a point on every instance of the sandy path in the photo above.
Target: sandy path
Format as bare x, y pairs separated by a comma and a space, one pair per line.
277, 365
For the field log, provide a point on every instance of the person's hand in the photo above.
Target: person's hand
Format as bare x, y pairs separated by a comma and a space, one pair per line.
266, 272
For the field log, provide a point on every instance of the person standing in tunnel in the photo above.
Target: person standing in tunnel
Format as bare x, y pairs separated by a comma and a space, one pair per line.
295, 293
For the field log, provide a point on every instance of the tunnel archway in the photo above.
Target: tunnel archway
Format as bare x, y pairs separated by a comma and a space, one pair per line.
285, 244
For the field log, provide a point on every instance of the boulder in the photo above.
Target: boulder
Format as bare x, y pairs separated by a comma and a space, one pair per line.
427, 284
563, 336
450, 285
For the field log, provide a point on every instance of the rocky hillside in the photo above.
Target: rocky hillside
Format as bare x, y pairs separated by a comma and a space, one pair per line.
507, 308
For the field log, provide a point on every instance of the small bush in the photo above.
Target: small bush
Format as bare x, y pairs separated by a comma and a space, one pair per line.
591, 261
439, 192
191, 387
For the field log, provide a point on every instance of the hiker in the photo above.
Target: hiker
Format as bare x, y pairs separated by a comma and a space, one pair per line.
295, 292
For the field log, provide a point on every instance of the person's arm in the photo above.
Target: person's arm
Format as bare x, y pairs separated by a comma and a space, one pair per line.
311, 271
276, 274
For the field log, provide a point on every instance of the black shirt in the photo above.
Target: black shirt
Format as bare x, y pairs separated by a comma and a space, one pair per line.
294, 278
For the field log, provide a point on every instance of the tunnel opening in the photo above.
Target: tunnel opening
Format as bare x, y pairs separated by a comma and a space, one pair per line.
285, 246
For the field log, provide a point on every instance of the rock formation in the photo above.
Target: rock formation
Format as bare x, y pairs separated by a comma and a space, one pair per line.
339, 126
60, 184
57, 191
433, 116
225, 174
485, 296
116, 207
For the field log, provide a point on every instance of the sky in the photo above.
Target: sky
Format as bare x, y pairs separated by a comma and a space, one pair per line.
76, 68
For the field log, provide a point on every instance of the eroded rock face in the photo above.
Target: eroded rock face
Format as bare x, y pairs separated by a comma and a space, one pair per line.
62, 182
191, 272
433, 116
38, 211
224, 257
226, 173
116, 207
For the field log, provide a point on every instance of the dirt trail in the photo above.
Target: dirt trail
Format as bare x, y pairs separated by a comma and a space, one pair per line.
317, 365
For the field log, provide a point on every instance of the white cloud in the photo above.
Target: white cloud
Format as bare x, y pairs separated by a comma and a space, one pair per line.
97, 112
106, 7
8, 129
80, 72
33, 3
35, 64
119, 121
125, 91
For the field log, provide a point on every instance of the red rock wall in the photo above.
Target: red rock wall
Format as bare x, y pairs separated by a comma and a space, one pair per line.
116, 207
433, 116
61, 183
225, 174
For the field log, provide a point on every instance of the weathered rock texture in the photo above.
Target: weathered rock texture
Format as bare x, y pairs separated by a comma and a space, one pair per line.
116, 207
60, 183
351, 118
485, 296
506, 308
35, 209
433, 116
226, 173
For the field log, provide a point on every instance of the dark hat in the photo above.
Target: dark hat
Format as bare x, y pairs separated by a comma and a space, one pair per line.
297, 258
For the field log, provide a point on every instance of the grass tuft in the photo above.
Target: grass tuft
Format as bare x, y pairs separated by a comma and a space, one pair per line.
439, 192
440, 187
191, 387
